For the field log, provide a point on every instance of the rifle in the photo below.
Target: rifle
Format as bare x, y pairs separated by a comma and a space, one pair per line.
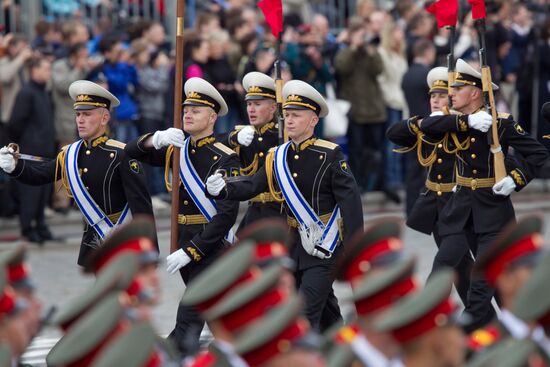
489, 101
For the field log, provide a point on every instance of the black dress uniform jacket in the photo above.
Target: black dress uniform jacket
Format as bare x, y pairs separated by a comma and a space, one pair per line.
207, 156
252, 159
110, 176
490, 212
322, 175
439, 156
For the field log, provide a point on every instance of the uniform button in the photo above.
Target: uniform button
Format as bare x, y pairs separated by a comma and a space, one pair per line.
439, 160
440, 145
85, 170
215, 157
473, 156
473, 140
261, 154
192, 151
439, 193
185, 202
439, 177
260, 139
294, 175
88, 152
112, 155
296, 156
474, 171
321, 157
87, 188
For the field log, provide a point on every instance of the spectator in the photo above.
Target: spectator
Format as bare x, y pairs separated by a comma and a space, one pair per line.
122, 80
392, 52
417, 95
329, 45
153, 72
224, 79
420, 27
358, 67
32, 126
73, 32
197, 51
12, 72
47, 37
206, 23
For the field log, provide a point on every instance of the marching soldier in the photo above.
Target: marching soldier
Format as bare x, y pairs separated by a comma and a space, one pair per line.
480, 205
205, 224
313, 180
437, 154
106, 184
252, 142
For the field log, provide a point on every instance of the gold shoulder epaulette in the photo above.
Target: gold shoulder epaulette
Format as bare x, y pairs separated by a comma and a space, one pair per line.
115, 143
224, 148
272, 149
325, 144
239, 127
503, 115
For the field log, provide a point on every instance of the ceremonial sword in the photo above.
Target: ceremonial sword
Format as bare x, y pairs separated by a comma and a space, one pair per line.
26, 157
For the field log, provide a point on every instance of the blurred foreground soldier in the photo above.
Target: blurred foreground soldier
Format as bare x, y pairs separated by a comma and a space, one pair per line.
513, 353
426, 325
107, 186
252, 142
32, 127
376, 293
480, 205
16, 328
312, 178
506, 266
438, 156
205, 225
281, 337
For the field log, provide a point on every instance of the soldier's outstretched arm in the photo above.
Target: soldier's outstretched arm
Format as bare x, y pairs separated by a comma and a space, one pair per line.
241, 188
404, 133
347, 195
35, 173
142, 151
439, 125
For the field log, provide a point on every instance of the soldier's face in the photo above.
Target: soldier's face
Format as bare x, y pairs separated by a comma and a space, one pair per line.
300, 124
260, 111
462, 97
451, 346
92, 123
297, 358
14, 332
149, 278
198, 120
438, 101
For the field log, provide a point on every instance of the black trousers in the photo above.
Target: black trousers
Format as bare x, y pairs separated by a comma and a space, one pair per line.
189, 324
366, 154
453, 248
321, 306
32, 202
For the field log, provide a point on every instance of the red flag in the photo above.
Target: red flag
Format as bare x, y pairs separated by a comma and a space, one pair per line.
445, 11
478, 9
273, 13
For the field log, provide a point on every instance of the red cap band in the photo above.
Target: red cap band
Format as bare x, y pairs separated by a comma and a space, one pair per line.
385, 297
362, 263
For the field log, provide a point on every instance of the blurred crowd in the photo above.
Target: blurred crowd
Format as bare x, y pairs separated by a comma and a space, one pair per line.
372, 63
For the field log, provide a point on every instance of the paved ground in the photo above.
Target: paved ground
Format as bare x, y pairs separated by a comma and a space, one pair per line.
59, 280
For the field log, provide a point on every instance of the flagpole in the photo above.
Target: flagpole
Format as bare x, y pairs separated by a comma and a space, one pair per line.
279, 93
180, 15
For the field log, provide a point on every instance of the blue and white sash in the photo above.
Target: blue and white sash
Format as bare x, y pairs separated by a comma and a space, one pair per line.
95, 217
323, 236
196, 188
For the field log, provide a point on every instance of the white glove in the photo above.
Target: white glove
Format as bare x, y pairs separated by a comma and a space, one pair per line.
481, 121
215, 184
246, 135
7, 161
309, 244
176, 260
504, 187
436, 113
171, 136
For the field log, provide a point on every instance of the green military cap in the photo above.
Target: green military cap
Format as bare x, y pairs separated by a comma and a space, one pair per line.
248, 302
532, 303
18, 272
5, 355
233, 268
280, 329
140, 340
508, 353
272, 238
381, 290
116, 276
518, 244
89, 335
136, 236
422, 311
380, 244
